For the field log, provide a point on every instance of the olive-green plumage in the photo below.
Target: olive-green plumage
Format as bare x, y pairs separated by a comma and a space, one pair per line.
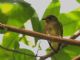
53, 27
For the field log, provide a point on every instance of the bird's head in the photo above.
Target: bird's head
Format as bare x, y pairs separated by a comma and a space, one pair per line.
50, 18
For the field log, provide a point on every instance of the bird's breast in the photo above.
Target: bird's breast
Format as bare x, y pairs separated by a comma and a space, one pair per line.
51, 29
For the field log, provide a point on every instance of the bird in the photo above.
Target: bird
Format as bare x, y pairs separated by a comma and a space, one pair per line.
53, 27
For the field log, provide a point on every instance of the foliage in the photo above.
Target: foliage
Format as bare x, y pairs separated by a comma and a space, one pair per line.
36, 25
78, 1
70, 22
6, 55
16, 13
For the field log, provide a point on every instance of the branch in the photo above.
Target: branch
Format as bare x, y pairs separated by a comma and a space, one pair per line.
16, 51
76, 58
75, 35
40, 35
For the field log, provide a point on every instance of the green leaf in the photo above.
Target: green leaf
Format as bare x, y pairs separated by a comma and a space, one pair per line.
10, 40
22, 56
78, 1
4, 55
17, 13
61, 56
53, 8
10, 55
36, 24
72, 50
70, 22
43, 26
24, 40
3, 18
67, 53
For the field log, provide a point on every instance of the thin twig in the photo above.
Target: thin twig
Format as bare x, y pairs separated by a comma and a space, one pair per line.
75, 35
46, 56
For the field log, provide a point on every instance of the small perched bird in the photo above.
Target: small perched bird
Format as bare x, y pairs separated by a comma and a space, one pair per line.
54, 28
